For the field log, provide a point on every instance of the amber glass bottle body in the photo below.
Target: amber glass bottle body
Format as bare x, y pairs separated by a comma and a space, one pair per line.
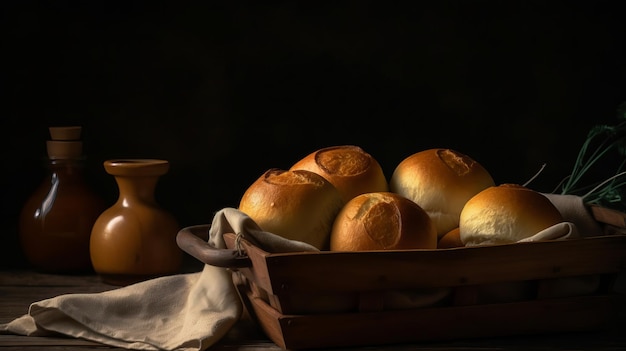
55, 222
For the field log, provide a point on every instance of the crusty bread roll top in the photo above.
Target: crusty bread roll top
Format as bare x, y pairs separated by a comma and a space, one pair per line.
440, 181
297, 205
382, 221
349, 168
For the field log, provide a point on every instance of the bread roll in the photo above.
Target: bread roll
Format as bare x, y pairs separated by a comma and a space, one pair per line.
450, 239
504, 214
350, 169
440, 181
298, 205
382, 221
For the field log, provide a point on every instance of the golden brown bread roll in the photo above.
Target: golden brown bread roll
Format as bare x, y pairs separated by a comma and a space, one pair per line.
382, 221
440, 181
506, 213
450, 239
349, 168
298, 205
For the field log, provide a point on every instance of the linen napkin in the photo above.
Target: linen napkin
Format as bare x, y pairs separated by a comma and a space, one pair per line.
574, 210
181, 312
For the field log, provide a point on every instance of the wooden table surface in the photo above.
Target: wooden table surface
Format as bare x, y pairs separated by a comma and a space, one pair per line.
18, 288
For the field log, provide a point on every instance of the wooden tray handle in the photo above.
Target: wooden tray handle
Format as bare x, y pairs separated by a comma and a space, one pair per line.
193, 240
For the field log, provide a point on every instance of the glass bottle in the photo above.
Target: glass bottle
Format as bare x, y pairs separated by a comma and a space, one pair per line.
55, 222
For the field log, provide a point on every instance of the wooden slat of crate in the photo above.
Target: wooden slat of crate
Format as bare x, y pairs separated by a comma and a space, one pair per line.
608, 216
434, 324
413, 269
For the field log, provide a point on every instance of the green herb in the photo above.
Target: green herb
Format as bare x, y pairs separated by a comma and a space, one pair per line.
601, 140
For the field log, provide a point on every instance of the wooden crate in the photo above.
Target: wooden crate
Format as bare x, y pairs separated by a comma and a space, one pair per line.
336, 299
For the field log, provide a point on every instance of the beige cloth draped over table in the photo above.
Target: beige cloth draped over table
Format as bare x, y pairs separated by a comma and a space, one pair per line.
190, 311
179, 312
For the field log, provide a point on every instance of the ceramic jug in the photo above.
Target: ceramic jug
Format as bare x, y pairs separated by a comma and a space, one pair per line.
135, 239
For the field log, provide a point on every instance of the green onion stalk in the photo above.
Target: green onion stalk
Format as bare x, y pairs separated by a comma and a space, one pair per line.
601, 141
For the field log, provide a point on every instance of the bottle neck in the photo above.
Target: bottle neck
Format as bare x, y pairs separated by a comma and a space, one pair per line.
66, 168
134, 189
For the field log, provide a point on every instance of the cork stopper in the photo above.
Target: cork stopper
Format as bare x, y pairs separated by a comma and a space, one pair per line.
65, 142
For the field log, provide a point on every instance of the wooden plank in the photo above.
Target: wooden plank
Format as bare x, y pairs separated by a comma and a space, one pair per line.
435, 324
415, 269
608, 216
18, 289
27, 278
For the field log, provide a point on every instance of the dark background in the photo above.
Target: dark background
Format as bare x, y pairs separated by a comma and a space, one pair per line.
226, 90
